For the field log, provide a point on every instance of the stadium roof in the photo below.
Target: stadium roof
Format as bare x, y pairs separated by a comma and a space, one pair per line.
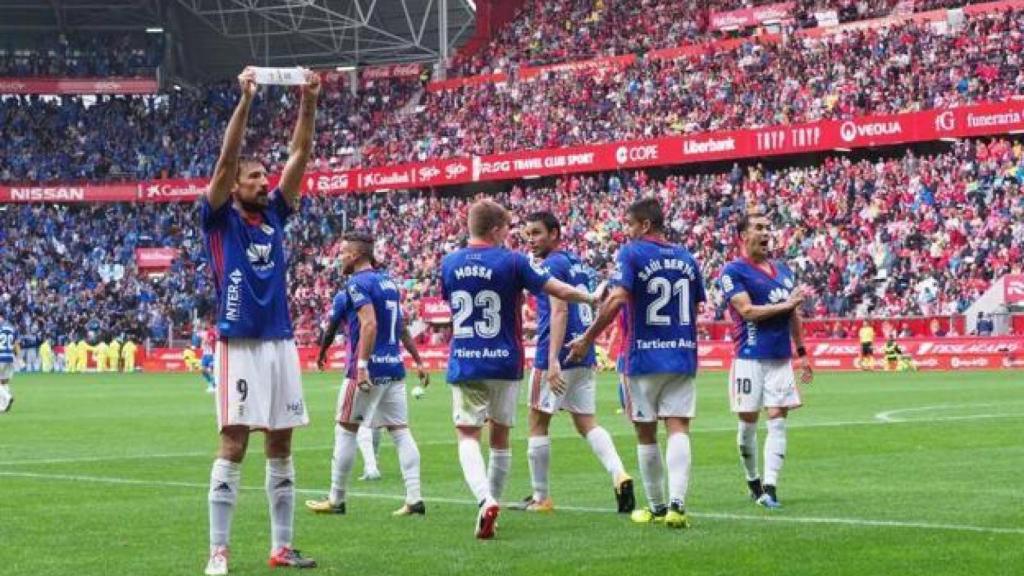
214, 38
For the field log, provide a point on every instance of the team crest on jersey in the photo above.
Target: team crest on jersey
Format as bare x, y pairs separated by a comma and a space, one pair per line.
259, 256
727, 284
778, 295
267, 229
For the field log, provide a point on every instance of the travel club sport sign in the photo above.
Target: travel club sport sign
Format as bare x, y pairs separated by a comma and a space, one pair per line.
841, 135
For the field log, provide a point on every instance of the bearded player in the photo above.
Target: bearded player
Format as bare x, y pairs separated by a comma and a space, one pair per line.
259, 384
764, 303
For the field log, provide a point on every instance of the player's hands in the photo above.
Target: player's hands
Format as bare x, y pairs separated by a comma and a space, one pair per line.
796, 298
578, 349
363, 379
803, 365
423, 375
321, 361
311, 89
556, 383
247, 82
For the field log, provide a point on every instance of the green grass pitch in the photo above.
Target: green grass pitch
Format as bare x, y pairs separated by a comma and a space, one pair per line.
886, 474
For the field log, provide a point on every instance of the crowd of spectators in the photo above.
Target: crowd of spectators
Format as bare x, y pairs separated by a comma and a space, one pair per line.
876, 71
799, 79
93, 55
546, 32
177, 134
910, 235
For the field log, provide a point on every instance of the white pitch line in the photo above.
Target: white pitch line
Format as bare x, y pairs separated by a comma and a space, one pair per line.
889, 416
696, 430
581, 509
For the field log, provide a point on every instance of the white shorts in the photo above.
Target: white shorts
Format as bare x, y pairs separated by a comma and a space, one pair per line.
654, 396
384, 404
6, 370
259, 384
476, 402
757, 384
577, 399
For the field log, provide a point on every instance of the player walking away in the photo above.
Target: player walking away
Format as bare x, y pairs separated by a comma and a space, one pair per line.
483, 284
373, 393
867, 346
368, 437
764, 304
208, 339
8, 352
259, 383
557, 384
660, 286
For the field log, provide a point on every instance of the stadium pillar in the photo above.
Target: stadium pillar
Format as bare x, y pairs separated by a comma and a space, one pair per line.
442, 40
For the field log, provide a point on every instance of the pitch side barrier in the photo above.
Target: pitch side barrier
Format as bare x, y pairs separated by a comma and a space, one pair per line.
970, 353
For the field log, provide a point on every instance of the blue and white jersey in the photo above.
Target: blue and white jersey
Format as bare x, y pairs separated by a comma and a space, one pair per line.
665, 285
484, 285
569, 269
7, 340
377, 289
249, 269
768, 339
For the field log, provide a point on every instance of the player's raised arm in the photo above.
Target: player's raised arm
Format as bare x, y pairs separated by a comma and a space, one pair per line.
609, 310
301, 145
226, 171
756, 313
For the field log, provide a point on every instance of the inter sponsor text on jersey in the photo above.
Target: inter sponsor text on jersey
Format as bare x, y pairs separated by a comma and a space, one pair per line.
768, 339
248, 261
569, 269
377, 289
665, 285
484, 286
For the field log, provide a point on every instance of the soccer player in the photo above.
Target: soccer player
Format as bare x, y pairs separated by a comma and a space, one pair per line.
46, 356
259, 383
368, 437
113, 354
483, 284
83, 348
866, 334
660, 286
100, 354
764, 303
8, 351
557, 384
209, 343
128, 356
374, 389
71, 356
